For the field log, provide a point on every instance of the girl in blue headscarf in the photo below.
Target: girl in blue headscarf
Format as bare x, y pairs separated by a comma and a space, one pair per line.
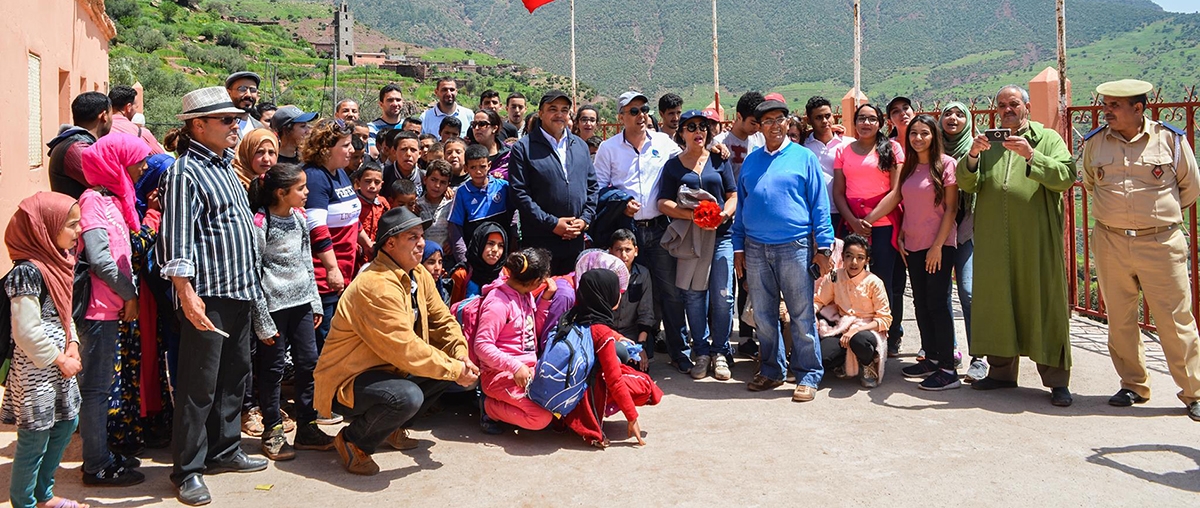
432, 260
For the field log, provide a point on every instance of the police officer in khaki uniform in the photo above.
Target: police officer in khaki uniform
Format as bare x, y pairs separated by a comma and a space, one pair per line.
1141, 174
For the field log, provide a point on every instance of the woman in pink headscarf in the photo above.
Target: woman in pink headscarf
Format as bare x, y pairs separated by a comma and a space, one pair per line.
108, 294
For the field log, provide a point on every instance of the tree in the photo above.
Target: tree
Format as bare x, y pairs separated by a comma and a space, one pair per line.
168, 10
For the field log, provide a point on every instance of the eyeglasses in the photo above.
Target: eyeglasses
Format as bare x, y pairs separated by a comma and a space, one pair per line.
696, 126
781, 121
244, 89
634, 110
225, 120
342, 126
867, 119
480, 125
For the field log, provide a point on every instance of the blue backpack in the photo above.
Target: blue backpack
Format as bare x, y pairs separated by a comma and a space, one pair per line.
560, 377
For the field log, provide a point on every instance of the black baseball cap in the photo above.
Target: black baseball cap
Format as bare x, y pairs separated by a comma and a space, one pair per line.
769, 106
553, 95
898, 98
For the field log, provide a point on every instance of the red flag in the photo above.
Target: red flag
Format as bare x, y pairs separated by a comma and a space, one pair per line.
534, 4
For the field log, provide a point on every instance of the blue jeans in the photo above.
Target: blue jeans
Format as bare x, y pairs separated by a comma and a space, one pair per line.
772, 270
712, 306
329, 304
887, 264
36, 460
667, 302
962, 276
98, 352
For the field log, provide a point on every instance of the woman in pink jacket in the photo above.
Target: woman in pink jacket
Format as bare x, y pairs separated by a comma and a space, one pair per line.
506, 341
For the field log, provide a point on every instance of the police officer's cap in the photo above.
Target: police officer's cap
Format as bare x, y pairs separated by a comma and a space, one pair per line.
1124, 88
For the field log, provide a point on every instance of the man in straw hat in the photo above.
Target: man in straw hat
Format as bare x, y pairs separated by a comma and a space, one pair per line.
207, 250
1141, 174
393, 347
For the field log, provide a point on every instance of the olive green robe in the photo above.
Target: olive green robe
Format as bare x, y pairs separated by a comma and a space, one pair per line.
1019, 306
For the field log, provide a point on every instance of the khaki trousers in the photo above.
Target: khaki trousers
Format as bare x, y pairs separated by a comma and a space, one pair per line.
1157, 265
1006, 368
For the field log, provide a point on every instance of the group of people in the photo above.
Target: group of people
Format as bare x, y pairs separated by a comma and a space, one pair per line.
381, 265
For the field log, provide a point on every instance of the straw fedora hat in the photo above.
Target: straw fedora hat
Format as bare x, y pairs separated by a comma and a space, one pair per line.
210, 101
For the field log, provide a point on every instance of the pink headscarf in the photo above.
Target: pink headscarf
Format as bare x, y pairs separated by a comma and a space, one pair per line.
104, 165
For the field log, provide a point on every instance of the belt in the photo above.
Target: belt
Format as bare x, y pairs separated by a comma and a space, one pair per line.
1139, 232
661, 219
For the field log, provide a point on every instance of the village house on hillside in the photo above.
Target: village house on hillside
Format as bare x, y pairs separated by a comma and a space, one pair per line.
64, 53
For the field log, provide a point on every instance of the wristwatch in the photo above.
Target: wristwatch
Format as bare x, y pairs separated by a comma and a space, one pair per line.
825, 251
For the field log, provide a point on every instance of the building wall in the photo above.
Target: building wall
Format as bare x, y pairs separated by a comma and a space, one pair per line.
70, 37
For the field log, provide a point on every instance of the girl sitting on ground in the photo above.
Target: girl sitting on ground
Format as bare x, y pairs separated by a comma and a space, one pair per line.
506, 341
856, 293
485, 258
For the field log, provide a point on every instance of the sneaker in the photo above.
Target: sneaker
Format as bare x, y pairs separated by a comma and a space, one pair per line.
399, 440
721, 368
489, 426
922, 368
762, 383
333, 419
354, 459
803, 393
115, 475
978, 370
790, 377
940, 380
275, 445
700, 369
252, 424
870, 374
921, 355
289, 424
311, 437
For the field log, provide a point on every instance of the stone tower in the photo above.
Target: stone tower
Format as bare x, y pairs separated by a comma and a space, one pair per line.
343, 25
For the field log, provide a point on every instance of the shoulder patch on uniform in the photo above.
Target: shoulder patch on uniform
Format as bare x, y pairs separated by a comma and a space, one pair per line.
1094, 132
1172, 128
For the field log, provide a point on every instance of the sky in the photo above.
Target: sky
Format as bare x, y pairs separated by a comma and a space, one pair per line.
1179, 5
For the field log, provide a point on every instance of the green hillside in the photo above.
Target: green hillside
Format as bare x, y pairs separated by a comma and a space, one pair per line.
927, 48
172, 50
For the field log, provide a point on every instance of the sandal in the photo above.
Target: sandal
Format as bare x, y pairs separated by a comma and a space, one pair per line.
68, 503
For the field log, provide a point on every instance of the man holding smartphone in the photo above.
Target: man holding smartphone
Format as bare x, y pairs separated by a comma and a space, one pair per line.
1020, 299
782, 206
1138, 201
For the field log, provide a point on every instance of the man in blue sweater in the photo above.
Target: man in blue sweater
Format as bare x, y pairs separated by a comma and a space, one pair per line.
782, 208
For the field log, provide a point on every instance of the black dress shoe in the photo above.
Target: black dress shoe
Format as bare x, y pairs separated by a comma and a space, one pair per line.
1061, 396
991, 383
240, 463
193, 491
1125, 398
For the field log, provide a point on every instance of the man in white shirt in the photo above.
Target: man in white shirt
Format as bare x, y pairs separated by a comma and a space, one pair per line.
632, 160
824, 140
447, 105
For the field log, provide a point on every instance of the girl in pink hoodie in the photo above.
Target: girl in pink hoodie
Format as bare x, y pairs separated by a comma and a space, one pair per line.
506, 340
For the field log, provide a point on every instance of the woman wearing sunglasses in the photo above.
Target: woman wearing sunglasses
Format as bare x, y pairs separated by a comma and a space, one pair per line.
709, 307
486, 131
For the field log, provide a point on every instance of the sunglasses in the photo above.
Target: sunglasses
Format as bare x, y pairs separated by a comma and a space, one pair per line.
634, 110
244, 89
479, 125
696, 126
342, 126
225, 120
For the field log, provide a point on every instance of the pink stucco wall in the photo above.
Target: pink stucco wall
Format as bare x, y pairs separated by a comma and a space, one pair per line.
71, 38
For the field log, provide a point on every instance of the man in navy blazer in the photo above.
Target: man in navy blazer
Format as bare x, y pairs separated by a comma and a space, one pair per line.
553, 183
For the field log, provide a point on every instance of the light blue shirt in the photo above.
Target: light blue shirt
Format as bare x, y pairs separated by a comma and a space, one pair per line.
431, 120
560, 149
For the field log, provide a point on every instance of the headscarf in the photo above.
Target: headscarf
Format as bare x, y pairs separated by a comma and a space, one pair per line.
958, 146
430, 248
600, 259
156, 165
481, 272
597, 294
31, 236
244, 162
104, 165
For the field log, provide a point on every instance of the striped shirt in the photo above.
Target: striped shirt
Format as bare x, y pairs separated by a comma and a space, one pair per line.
333, 209
207, 230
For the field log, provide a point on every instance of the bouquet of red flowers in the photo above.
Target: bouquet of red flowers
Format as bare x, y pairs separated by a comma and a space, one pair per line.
707, 214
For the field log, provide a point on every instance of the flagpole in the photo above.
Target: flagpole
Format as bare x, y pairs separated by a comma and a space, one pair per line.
716, 68
574, 88
857, 50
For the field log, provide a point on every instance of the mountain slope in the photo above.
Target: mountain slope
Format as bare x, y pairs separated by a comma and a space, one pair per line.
659, 45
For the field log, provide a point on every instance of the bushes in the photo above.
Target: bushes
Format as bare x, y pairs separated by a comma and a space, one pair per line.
229, 60
144, 39
124, 12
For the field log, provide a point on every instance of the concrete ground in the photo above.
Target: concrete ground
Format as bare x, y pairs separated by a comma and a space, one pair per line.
715, 443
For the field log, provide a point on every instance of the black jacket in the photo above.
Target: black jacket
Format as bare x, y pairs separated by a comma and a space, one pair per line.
62, 179
539, 190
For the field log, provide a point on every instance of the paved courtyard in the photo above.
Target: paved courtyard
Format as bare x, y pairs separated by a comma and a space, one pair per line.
712, 443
